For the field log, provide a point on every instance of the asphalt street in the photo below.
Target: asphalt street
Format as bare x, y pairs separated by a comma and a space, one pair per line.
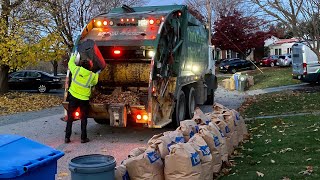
46, 127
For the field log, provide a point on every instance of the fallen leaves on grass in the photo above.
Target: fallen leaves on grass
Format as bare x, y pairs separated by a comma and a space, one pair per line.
15, 102
308, 171
260, 174
286, 150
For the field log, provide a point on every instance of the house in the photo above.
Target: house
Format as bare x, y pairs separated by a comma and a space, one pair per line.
282, 46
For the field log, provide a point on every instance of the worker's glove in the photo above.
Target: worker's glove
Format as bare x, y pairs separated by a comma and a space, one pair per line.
98, 72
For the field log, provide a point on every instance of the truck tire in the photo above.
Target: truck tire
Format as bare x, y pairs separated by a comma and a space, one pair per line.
191, 102
210, 98
102, 121
179, 110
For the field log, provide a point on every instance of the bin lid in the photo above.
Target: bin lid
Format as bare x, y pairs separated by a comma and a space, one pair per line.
20, 155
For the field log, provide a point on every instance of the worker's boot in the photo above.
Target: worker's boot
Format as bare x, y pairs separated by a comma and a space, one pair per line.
85, 140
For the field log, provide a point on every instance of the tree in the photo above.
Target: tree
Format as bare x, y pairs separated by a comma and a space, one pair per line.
239, 34
300, 16
19, 47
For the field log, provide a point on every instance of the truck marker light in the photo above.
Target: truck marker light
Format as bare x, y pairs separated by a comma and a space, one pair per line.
162, 18
99, 23
158, 21
151, 21
117, 52
179, 14
76, 115
132, 19
105, 23
139, 117
153, 37
111, 23
145, 117
127, 20
122, 20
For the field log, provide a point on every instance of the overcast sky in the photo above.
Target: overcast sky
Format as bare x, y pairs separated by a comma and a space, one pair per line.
164, 2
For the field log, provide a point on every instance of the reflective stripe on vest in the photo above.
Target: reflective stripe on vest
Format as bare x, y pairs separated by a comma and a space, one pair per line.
82, 85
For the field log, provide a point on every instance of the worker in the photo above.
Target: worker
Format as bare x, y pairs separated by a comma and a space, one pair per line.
79, 93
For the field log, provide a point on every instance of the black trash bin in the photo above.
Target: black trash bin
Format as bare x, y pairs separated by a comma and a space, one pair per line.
92, 167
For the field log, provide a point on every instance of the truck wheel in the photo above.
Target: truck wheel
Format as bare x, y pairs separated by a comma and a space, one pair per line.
210, 98
191, 102
272, 64
102, 121
179, 110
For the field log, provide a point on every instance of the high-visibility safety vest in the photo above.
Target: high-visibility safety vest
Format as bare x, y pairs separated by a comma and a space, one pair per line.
82, 80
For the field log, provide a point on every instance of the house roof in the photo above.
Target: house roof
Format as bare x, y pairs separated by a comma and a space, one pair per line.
283, 41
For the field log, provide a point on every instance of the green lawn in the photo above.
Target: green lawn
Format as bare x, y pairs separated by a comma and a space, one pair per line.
272, 77
285, 148
281, 103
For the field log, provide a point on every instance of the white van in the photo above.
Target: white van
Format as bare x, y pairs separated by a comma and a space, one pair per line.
305, 64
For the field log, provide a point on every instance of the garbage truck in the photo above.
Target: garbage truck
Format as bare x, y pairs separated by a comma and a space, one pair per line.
159, 53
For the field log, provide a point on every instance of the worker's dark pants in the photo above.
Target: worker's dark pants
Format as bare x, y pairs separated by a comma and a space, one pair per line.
74, 104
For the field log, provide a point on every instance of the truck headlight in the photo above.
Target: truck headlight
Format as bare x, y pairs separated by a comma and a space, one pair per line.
150, 54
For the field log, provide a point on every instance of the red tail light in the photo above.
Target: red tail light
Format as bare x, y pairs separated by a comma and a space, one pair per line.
151, 21
139, 117
77, 114
117, 52
304, 65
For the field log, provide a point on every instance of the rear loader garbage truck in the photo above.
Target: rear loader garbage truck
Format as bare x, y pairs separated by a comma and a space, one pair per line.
158, 66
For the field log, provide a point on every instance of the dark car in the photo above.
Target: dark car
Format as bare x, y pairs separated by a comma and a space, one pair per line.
269, 61
33, 80
234, 65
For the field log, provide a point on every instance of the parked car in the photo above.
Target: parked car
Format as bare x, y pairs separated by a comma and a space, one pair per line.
234, 65
33, 80
285, 60
269, 61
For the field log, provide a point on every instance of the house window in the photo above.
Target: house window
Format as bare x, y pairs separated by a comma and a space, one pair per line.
228, 54
277, 52
237, 55
289, 50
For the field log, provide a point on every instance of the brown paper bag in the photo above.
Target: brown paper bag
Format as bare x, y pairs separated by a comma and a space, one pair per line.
198, 143
200, 117
219, 108
238, 125
230, 147
136, 152
188, 128
223, 150
182, 163
146, 166
175, 136
121, 173
229, 118
214, 145
161, 143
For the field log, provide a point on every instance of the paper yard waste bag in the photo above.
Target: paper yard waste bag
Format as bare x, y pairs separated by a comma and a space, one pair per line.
198, 143
121, 173
229, 118
214, 145
219, 108
136, 152
238, 125
146, 166
243, 125
200, 117
188, 128
175, 136
161, 143
182, 163
213, 128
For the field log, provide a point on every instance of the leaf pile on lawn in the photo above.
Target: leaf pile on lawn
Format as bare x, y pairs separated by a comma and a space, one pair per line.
286, 148
14, 102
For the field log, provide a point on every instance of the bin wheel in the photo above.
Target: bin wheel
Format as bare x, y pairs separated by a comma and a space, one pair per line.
272, 64
179, 110
102, 121
191, 102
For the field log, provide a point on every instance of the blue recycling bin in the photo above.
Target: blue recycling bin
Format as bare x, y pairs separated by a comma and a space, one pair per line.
236, 80
24, 159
